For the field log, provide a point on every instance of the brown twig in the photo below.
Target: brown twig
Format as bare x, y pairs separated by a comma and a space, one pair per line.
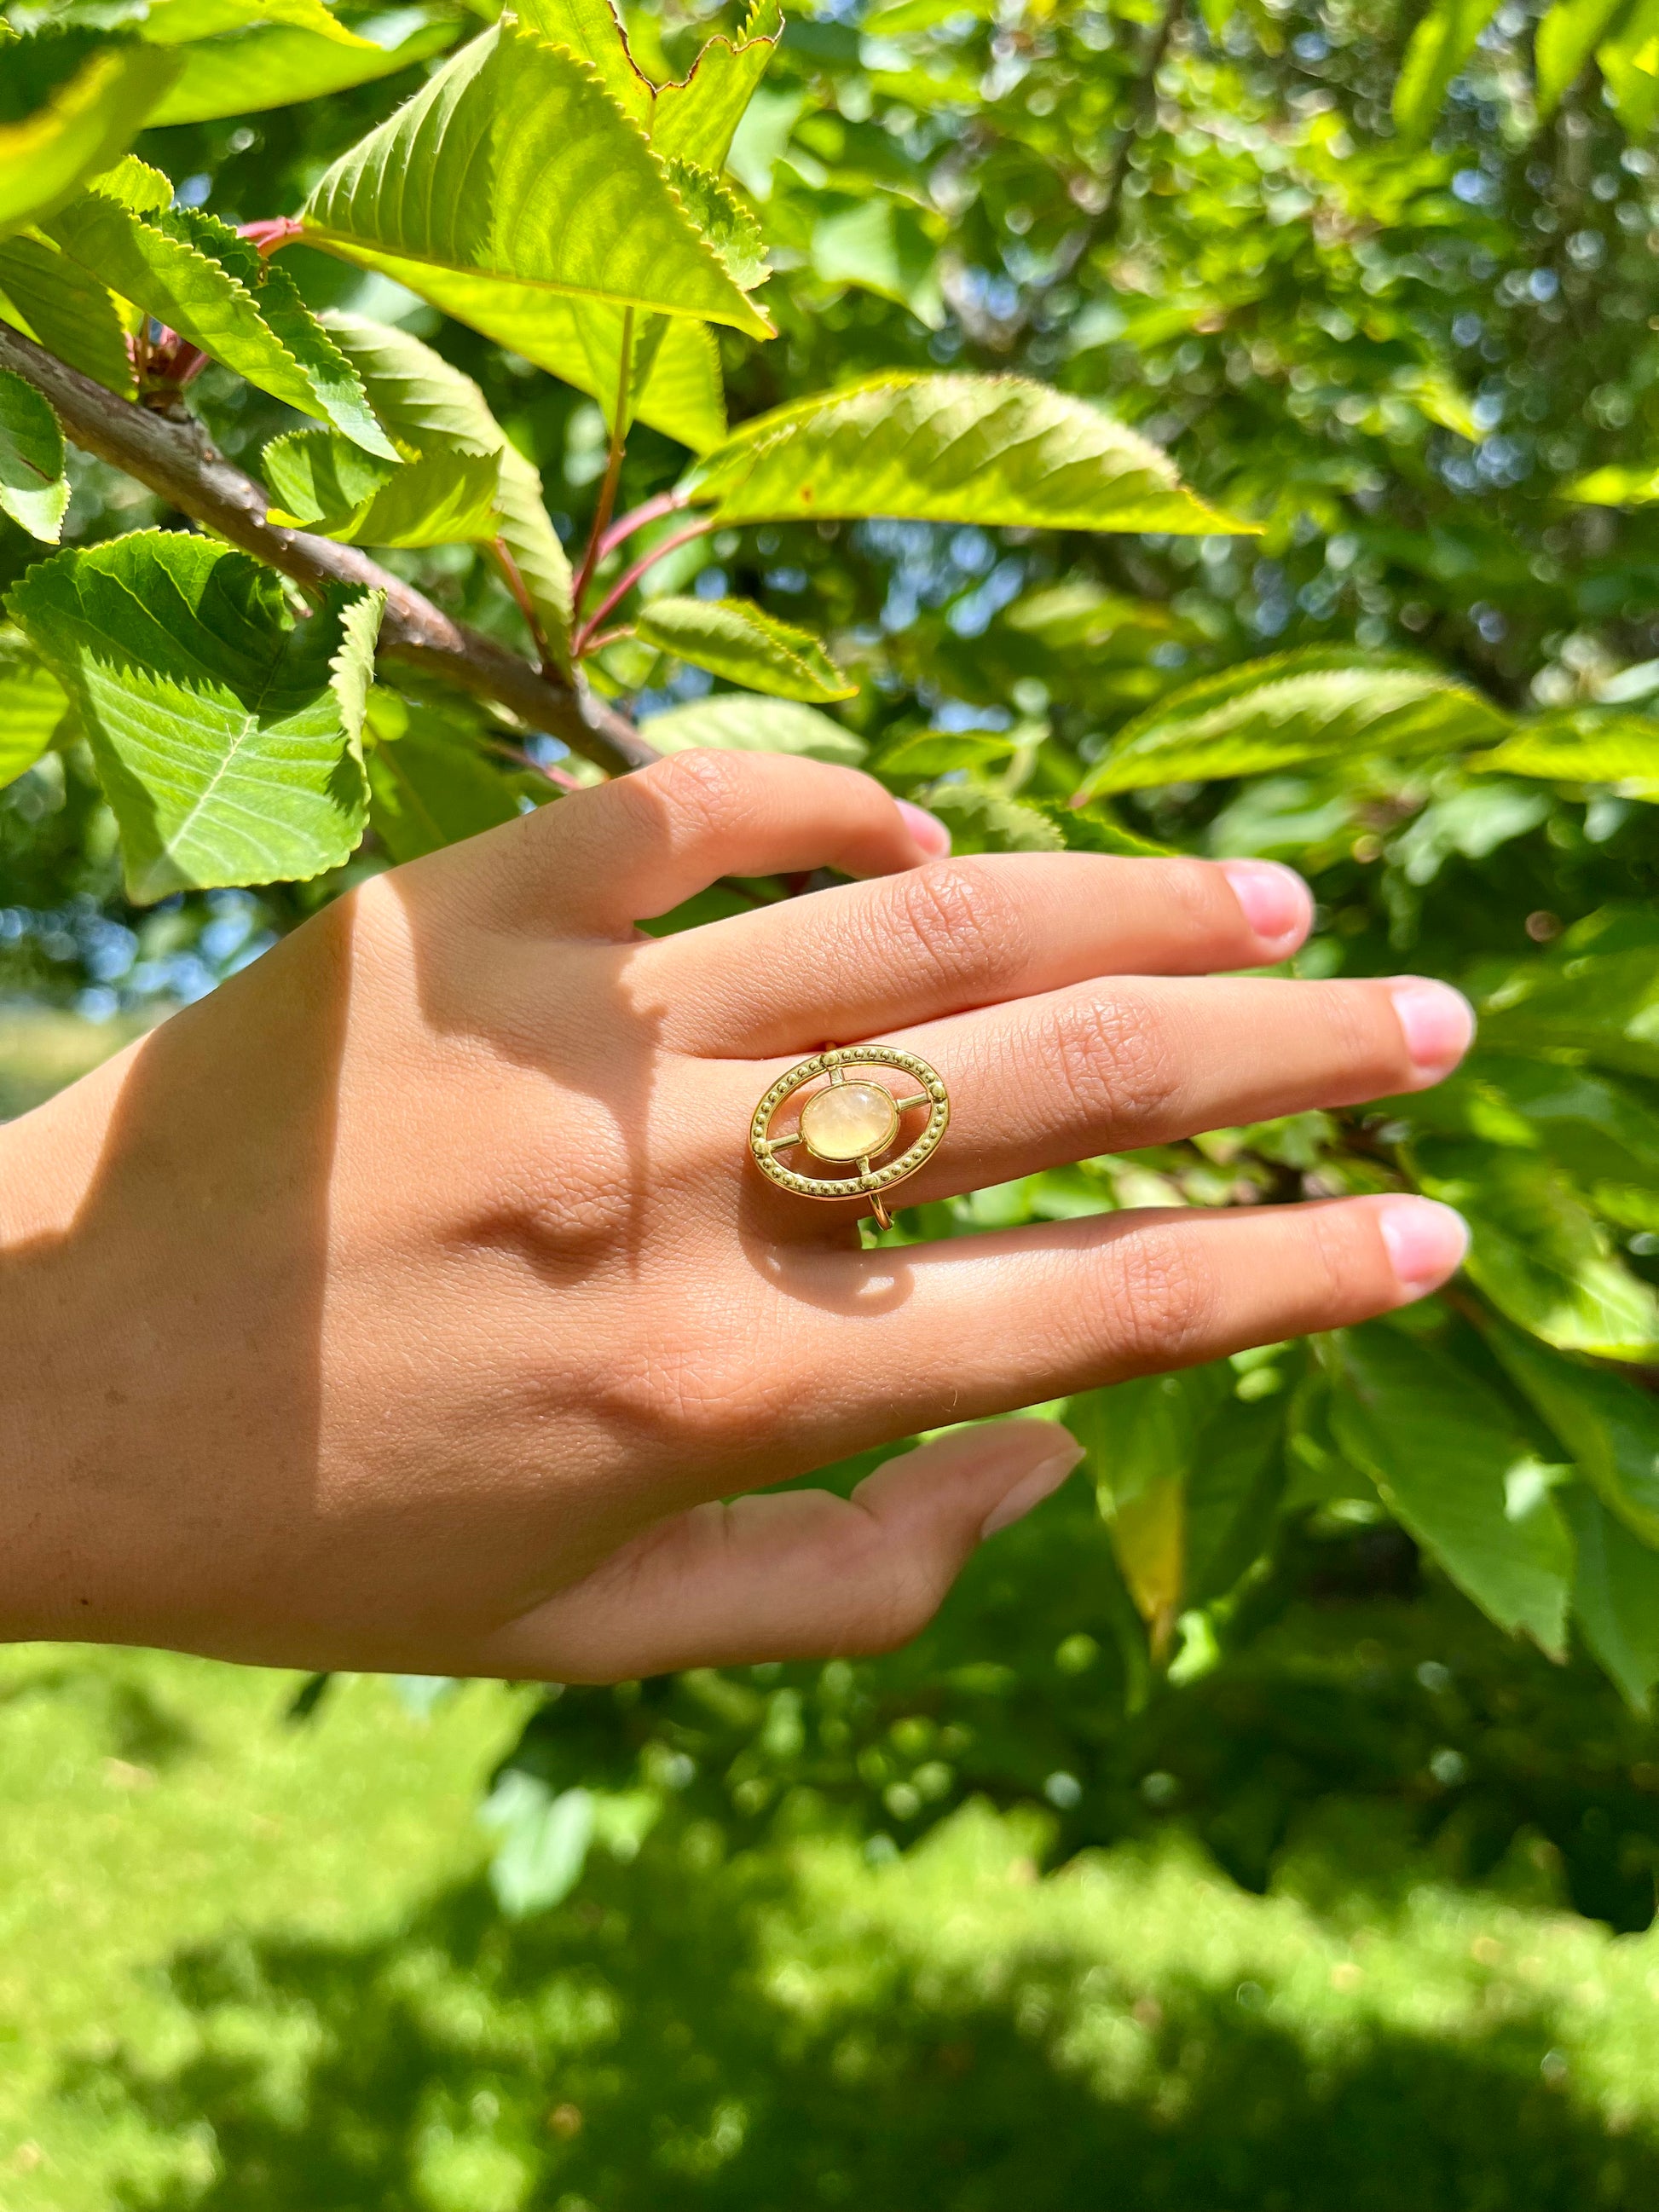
175, 461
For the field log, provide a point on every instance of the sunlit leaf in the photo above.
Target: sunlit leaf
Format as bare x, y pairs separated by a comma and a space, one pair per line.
62, 306
1440, 44
226, 732
736, 639
1583, 747
512, 175
1322, 702
698, 119
322, 482
175, 23
194, 273
275, 65
431, 407
1567, 37
69, 100
732, 722
993, 450
33, 488
33, 702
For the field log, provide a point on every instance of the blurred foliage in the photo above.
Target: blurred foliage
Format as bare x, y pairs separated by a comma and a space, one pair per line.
1405, 324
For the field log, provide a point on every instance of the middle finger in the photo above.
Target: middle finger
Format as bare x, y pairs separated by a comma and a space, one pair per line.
846, 963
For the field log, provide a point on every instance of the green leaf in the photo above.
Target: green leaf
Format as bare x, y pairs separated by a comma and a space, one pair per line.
1613, 486
193, 273
176, 22
1615, 1596
1321, 703
69, 102
1629, 63
274, 65
513, 175
1187, 1476
1439, 46
33, 488
544, 1841
580, 341
590, 29
882, 246
428, 787
1603, 1006
927, 753
226, 733
986, 449
727, 225
984, 821
1455, 1470
322, 482
65, 308
1608, 1426
32, 703
1096, 829
736, 639
733, 722
1538, 1252
1584, 747
693, 121
696, 120
430, 406
1565, 39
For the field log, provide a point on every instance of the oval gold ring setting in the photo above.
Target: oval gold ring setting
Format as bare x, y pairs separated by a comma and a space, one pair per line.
853, 1121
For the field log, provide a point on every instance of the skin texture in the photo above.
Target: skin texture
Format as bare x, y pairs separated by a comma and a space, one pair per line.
412, 1303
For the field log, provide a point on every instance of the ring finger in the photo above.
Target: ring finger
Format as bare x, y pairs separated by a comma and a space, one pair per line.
1128, 1061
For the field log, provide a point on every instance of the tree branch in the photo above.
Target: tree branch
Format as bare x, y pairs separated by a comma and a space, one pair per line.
175, 459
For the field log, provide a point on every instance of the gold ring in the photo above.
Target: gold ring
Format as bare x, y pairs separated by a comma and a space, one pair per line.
851, 1124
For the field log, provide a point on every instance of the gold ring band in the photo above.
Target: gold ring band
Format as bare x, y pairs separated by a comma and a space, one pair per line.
856, 1123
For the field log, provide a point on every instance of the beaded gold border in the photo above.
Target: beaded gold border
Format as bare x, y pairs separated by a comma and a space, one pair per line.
877, 1179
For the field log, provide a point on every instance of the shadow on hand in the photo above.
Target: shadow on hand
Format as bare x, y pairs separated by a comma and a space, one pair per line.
639, 2049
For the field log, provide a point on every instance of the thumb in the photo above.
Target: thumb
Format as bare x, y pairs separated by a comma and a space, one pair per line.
796, 1576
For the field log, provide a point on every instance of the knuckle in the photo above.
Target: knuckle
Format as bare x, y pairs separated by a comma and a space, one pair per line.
1114, 1063
962, 920
1164, 1301
899, 1592
701, 790
693, 1399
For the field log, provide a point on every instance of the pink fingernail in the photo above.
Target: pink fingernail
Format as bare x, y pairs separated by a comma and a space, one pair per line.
1437, 1023
1426, 1243
929, 832
1277, 903
1044, 1479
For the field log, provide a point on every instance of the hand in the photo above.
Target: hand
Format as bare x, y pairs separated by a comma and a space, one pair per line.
409, 1303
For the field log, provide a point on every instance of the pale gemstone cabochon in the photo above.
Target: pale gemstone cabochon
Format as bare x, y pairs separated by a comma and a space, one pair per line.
849, 1121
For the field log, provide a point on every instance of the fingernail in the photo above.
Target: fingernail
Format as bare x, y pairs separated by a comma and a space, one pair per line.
1277, 903
1426, 1243
929, 832
1437, 1023
1044, 1479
